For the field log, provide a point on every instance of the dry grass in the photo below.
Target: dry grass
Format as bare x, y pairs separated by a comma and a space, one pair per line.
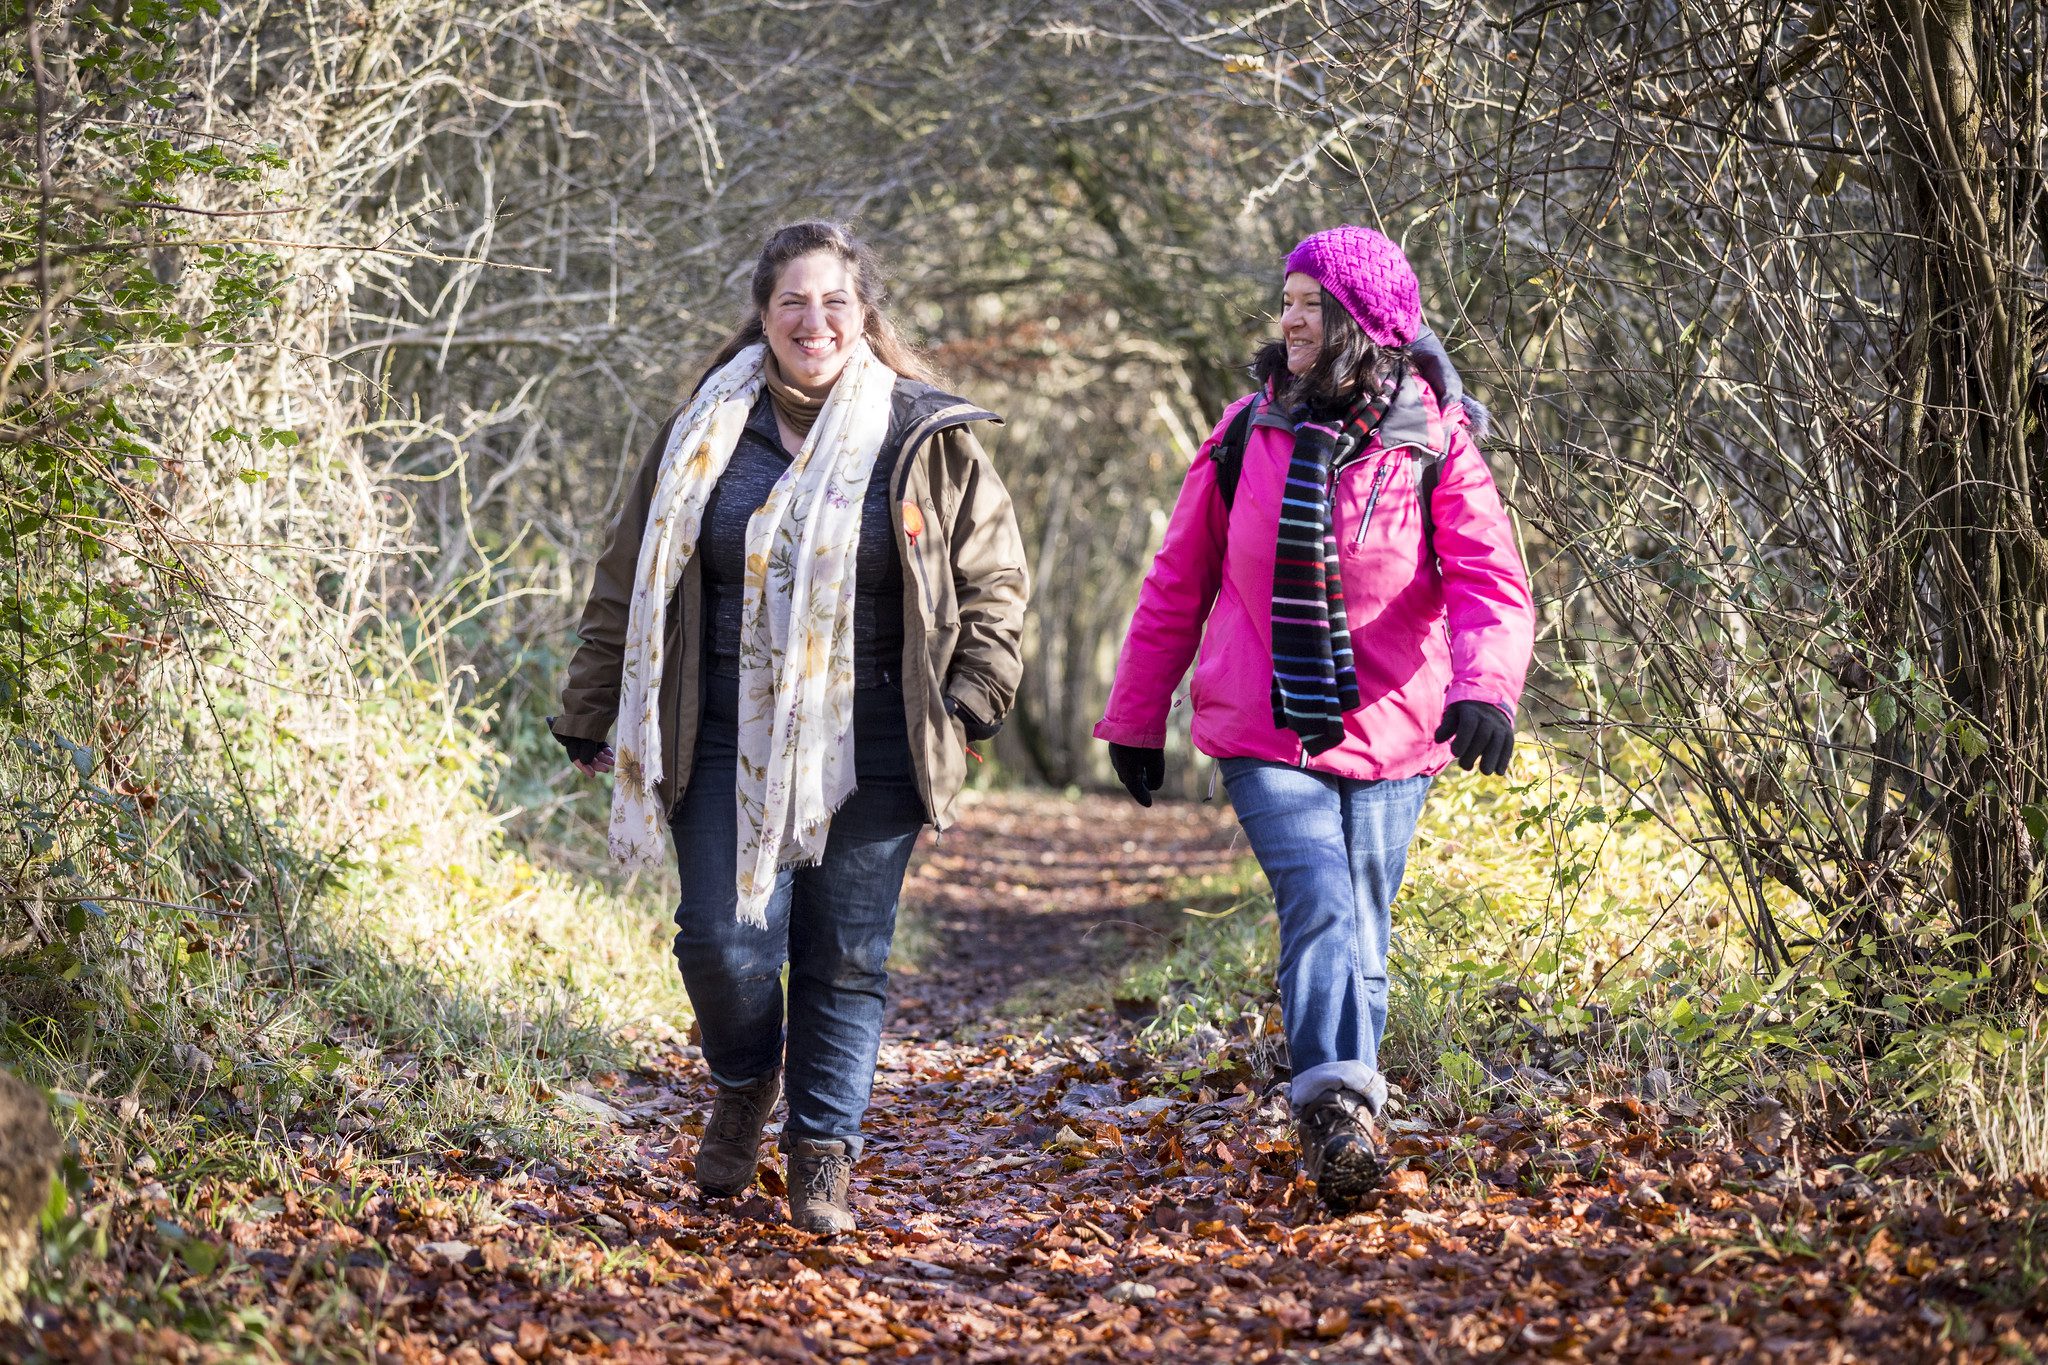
1996, 1100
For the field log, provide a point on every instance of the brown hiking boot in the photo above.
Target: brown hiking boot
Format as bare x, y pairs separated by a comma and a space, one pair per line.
818, 1174
731, 1148
1339, 1150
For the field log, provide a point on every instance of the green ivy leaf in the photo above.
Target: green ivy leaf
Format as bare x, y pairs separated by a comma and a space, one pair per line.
201, 1258
56, 1204
325, 1058
1884, 712
1930, 708
1973, 742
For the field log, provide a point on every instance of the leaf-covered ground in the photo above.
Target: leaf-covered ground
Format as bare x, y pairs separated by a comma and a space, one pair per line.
1035, 1196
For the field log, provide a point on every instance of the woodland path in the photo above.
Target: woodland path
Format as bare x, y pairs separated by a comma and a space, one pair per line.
1019, 1203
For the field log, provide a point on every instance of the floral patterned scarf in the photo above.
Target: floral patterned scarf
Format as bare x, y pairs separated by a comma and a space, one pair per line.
796, 625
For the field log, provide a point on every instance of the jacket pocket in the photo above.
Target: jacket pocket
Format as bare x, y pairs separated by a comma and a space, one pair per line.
941, 638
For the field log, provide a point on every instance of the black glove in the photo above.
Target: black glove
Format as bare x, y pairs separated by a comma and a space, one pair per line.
1141, 770
1479, 732
580, 750
977, 729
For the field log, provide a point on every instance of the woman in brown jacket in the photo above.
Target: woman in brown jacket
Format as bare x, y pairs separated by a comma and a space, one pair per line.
811, 604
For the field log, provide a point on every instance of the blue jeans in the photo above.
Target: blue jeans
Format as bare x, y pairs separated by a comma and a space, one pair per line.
832, 922
1334, 850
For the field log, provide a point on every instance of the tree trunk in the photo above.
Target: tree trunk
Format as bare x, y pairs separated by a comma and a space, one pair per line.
1962, 111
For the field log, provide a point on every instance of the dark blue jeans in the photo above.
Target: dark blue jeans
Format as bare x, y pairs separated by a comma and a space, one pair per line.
831, 923
1334, 850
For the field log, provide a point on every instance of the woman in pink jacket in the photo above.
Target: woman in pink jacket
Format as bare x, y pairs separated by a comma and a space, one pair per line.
1363, 617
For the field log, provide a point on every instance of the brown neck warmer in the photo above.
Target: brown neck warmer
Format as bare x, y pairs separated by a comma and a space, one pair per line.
796, 411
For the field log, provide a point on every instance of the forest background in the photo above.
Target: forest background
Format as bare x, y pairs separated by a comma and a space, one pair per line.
331, 331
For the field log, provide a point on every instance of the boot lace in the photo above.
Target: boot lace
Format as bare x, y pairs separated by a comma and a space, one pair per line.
1340, 1112
732, 1115
823, 1175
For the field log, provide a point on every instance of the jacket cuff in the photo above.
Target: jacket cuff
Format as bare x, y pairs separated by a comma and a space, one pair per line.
1493, 696
581, 727
1135, 736
977, 698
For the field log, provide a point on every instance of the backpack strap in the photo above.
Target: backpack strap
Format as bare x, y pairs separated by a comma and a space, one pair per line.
1228, 453
1425, 487
1409, 425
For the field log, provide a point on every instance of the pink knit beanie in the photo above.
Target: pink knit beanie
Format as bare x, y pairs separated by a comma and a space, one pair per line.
1369, 275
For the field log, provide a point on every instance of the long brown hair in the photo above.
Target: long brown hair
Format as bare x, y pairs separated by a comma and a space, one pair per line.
1348, 364
870, 286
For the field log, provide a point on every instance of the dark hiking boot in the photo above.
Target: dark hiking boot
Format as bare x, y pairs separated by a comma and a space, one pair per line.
819, 1171
1339, 1150
731, 1148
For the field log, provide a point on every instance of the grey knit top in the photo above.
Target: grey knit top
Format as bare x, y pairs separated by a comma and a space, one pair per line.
758, 460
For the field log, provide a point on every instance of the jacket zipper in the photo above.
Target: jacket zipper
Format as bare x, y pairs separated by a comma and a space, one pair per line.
1372, 500
1358, 537
1300, 749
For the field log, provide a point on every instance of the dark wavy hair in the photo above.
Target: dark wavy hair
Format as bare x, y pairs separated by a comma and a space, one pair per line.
870, 286
1349, 363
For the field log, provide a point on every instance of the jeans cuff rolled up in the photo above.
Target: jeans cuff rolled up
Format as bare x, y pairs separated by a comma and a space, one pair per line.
1361, 1078
855, 1142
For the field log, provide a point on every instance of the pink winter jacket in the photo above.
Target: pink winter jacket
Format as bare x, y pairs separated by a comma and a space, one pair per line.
1423, 634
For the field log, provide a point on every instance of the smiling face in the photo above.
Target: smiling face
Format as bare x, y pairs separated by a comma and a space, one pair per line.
813, 318
1301, 321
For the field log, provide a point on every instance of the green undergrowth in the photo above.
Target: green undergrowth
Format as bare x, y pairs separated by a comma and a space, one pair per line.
375, 968
1553, 943
257, 893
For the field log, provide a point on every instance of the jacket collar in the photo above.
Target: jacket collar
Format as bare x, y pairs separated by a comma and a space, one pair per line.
915, 403
1413, 419
921, 412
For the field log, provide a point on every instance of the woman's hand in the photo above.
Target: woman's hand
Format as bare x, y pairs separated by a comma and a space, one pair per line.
1141, 770
587, 756
1479, 732
975, 727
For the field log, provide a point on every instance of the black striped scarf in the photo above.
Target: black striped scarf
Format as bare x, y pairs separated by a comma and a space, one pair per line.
1314, 683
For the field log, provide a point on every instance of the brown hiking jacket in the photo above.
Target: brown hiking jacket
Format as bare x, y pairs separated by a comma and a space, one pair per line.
965, 586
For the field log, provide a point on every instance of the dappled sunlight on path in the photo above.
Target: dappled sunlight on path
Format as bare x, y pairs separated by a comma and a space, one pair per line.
1052, 1194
